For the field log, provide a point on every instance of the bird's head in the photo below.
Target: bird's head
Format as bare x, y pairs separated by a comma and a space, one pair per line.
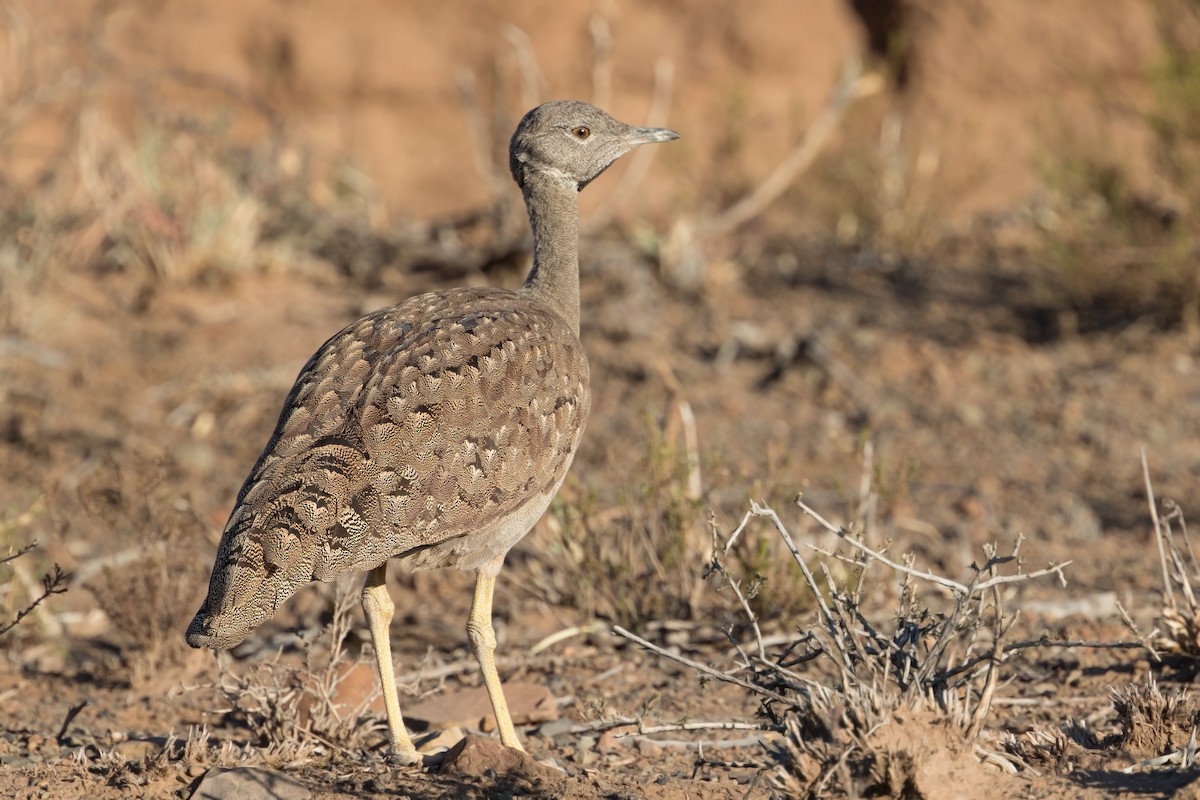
572, 142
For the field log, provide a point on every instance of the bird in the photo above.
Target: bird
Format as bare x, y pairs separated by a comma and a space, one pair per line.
435, 431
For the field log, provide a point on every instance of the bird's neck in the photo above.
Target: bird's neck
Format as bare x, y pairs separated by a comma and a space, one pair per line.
554, 214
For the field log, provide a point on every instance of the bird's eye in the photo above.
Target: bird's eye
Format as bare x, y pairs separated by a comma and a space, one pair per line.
582, 132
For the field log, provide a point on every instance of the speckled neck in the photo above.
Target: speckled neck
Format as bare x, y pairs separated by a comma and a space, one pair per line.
554, 215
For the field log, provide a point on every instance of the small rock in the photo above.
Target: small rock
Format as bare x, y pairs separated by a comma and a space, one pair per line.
478, 755
585, 756
649, 747
609, 743
137, 749
250, 783
556, 728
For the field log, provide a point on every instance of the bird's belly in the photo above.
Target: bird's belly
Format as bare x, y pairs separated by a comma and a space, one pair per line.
481, 546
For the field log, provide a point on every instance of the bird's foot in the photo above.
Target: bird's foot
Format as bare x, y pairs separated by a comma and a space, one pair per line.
397, 757
410, 758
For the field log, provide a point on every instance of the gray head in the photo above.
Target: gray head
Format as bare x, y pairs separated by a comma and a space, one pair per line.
573, 141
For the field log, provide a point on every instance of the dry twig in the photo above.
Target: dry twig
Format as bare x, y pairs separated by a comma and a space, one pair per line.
53, 582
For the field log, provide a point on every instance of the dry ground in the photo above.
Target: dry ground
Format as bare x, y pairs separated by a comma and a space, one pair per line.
876, 341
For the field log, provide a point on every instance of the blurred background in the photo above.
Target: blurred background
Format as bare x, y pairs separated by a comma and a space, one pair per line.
932, 264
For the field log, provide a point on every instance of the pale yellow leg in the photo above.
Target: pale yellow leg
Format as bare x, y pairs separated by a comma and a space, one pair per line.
483, 643
378, 606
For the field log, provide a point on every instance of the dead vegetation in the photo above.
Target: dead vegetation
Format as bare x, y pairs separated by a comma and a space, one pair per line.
861, 700
53, 582
1156, 723
1158, 728
1119, 254
295, 704
661, 518
20, 592
145, 583
1180, 615
832, 687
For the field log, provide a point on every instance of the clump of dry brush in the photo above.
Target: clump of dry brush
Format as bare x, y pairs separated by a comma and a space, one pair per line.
1180, 614
291, 714
302, 707
18, 579
843, 688
1159, 727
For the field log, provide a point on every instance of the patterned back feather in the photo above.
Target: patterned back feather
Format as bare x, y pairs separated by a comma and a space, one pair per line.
413, 433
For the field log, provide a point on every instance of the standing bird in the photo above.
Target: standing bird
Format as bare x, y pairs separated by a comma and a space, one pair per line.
434, 431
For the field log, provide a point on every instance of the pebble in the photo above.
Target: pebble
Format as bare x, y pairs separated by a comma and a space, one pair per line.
558, 727
251, 783
137, 749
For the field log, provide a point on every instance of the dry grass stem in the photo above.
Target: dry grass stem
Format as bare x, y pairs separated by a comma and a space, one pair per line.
852, 86
532, 80
1158, 533
1180, 614
657, 116
299, 706
602, 59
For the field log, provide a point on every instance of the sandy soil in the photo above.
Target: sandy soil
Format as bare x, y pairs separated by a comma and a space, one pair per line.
133, 400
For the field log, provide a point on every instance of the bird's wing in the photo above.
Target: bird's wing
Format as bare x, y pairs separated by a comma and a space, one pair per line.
413, 426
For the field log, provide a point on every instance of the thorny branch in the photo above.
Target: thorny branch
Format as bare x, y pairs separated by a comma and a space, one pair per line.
953, 585
696, 665
52, 583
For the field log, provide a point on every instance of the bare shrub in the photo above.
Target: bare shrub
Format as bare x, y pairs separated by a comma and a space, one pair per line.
1180, 614
52, 583
299, 707
1154, 722
836, 686
148, 583
1050, 749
